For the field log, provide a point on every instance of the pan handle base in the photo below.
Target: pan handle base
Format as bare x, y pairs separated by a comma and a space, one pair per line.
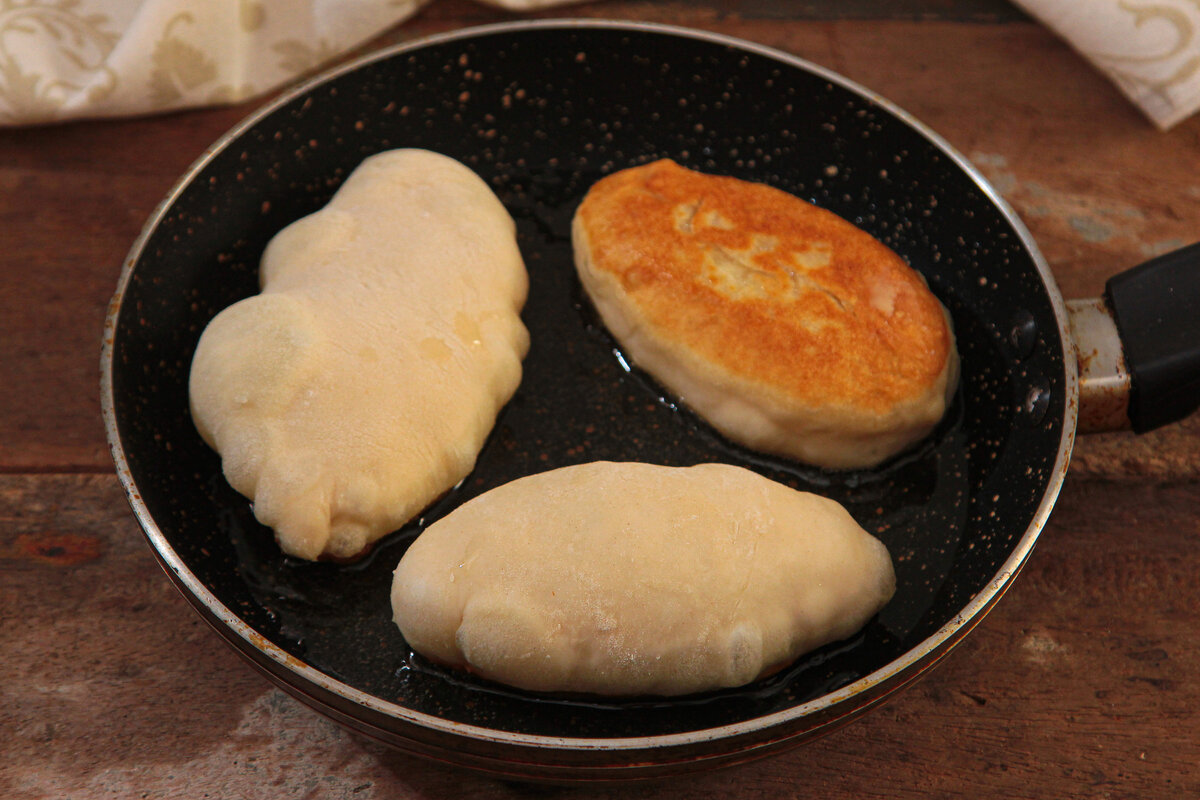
1104, 382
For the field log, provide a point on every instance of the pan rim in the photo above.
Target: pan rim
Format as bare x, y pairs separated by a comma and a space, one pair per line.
901, 670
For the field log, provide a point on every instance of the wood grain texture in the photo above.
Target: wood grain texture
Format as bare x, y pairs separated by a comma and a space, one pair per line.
73, 199
1084, 682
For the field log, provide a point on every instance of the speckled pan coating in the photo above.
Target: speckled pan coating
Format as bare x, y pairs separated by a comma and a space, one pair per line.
541, 111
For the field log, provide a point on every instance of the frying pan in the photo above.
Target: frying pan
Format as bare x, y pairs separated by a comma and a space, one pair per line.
541, 111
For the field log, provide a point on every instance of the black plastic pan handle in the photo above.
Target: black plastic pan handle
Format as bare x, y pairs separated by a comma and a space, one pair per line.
1139, 346
1157, 310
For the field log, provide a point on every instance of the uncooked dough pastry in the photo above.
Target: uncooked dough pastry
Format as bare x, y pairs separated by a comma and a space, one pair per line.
363, 380
787, 328
636, 579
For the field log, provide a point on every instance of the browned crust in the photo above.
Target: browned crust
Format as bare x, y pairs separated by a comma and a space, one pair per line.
823, 336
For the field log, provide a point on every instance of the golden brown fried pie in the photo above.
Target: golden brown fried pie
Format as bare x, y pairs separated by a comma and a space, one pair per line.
787, 328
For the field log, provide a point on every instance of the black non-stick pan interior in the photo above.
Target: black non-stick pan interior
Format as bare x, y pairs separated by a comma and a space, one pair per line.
541, 112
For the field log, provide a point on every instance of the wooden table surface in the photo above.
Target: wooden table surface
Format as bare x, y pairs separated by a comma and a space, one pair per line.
1084, 682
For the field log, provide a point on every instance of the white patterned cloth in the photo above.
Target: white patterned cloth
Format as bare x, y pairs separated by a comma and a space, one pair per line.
64, 59
1149, 48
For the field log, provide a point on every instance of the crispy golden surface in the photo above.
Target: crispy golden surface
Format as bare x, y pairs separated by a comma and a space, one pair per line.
767, 285
736, 292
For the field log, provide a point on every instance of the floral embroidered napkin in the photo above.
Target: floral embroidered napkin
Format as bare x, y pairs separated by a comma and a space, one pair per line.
1149, 48
61, 59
